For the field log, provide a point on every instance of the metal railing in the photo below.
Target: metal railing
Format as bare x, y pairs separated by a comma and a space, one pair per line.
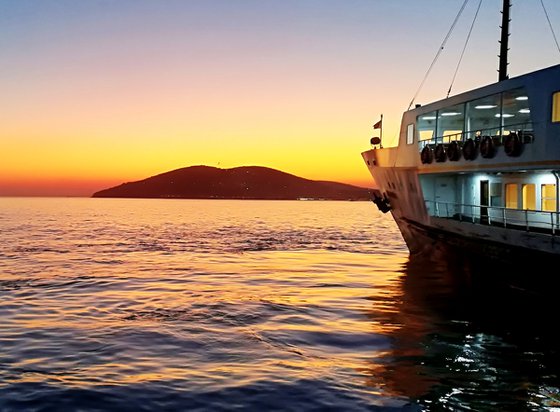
538, 221
524, 130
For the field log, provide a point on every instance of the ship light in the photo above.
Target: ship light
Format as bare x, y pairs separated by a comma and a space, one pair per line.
481, 177
525, 111
485, 106
451, 114
521, 98
505, 115
429, 118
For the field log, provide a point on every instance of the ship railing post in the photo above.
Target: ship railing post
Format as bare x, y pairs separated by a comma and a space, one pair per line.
504, 216
446, 209
488, 211
472, 213
437, 208
527, 220
552, 223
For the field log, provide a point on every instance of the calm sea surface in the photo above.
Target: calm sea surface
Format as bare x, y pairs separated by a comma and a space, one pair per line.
130, 305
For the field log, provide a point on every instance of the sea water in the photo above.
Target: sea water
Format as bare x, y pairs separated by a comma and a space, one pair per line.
133, 304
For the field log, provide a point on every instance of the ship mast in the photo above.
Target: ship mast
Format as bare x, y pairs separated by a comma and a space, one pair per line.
504, 42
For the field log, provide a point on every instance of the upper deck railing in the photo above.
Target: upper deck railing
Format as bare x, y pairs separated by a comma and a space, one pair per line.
524, 130
538, 221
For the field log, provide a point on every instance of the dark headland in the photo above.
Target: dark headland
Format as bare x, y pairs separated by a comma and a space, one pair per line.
248, 182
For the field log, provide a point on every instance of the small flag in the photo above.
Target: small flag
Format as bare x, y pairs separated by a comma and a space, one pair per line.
377, 125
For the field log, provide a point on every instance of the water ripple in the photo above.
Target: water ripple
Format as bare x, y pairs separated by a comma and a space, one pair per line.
111, 304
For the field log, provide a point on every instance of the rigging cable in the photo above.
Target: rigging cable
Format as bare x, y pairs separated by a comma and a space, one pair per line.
550, 25
438, 53
464, 48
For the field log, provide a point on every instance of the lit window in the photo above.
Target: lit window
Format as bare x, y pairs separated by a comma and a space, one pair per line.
548, 197
529, 197
515, 114
511, 196
481, 116
426, 125
450, 122
556, 107
410, 134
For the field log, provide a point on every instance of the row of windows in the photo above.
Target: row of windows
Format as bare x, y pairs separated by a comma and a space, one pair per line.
491, 115
529, 197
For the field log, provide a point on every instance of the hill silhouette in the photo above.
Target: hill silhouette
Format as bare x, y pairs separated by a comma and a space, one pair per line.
248, 182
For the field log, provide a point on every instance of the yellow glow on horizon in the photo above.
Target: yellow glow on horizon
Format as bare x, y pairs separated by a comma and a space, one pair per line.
126, 149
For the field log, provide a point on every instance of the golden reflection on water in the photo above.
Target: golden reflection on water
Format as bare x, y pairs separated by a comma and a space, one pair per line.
157, 304
284, 307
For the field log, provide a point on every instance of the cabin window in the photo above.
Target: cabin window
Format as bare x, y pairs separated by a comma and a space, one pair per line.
515, 113
426, 124
483, 116
548, 197
528, 192
511, 196
556, 107
450, 123
410, 134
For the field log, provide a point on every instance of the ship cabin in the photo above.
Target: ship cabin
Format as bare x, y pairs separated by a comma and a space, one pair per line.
490, 155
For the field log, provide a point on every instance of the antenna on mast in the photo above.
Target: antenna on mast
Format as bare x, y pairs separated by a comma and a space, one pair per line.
504, 41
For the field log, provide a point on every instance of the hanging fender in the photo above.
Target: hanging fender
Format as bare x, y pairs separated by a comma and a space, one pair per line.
427, 155
469, 149
512, 145
439, 153
487, 149
453, 151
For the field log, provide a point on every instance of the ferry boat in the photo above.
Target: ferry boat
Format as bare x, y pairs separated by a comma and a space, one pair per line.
479, 172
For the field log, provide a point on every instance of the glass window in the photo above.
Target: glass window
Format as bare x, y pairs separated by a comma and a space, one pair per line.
426, 124
410, 134
483, 116
450, 122
529, 197
511, 196
548, 197
515, 114
556, 107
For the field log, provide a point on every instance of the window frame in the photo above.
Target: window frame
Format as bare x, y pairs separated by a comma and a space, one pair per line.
555, 115
526, 190
410, 134
507, 197
548, 198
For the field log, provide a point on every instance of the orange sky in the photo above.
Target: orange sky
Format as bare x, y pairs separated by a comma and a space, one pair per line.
99, 93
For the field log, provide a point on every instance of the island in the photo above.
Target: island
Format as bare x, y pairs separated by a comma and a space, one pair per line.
247, 182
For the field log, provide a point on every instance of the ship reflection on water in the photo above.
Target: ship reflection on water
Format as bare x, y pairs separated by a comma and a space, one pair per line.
464, 340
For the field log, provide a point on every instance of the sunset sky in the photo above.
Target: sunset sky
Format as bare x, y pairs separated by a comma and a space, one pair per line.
94, 93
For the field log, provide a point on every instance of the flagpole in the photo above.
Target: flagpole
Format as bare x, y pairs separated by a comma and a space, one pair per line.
381, 133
